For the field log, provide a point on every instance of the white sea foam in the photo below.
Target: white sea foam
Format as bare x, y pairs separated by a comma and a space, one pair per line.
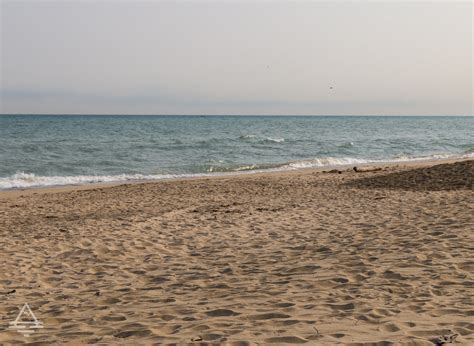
274, 140
333, 161
261, 139
326, 161
29, 180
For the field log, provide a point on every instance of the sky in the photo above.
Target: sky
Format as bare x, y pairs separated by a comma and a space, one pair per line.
236, 57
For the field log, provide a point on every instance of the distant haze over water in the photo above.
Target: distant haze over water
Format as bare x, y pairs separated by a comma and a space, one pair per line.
236, 57
44, 150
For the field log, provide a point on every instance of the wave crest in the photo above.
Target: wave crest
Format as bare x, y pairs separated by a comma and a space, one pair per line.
258, 139
28, 180
273, 140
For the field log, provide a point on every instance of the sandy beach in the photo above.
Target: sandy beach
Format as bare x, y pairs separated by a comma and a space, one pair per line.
379, 256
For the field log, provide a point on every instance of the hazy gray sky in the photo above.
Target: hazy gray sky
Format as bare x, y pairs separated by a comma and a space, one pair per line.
236, 57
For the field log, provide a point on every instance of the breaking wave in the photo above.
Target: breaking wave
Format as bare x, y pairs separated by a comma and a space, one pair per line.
273, 140
29, 180
259, 139
26, 180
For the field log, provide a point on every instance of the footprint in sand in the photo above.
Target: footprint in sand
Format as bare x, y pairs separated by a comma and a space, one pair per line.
268, 316
286, 340
221, 313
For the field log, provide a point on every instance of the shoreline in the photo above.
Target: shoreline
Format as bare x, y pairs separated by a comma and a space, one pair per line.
380, 256
100, 185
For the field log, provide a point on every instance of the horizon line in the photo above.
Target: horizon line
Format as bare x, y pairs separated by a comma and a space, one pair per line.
242, 115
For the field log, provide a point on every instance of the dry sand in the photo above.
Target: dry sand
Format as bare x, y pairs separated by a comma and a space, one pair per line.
305, 257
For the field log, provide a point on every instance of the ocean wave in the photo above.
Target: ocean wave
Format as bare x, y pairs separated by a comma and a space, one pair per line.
325, 161
345, 161
259, 139
247, 136
243, 168
29, 180
273, 140
346, 145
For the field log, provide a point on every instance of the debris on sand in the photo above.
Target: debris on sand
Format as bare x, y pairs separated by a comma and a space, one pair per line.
445, 339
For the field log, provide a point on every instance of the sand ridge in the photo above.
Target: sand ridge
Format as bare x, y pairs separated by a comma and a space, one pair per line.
315, 258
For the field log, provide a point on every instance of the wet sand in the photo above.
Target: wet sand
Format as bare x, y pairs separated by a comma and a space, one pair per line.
380, 256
